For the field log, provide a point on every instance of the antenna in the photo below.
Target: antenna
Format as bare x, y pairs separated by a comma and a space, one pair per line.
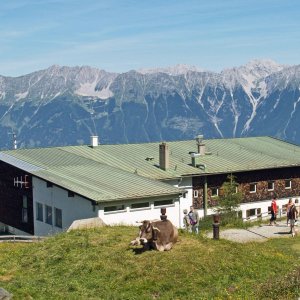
14, 136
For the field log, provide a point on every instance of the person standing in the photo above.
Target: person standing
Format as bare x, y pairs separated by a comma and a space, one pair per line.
293, 215
288, 206
186, 221
273, 211
297, 205
194, 220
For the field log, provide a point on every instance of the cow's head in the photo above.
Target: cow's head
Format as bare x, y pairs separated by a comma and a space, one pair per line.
148, 232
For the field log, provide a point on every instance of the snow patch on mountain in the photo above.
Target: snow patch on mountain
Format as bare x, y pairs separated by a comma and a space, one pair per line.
20, 96
179, 69
89, 89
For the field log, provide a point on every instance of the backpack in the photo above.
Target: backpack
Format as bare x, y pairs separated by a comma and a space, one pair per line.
292, 212
192, 221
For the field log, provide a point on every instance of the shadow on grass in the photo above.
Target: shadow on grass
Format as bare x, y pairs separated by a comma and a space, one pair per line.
138, 251
282, 232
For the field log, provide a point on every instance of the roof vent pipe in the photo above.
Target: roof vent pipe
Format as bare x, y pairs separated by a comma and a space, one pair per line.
164, 156
94, 141
200, 144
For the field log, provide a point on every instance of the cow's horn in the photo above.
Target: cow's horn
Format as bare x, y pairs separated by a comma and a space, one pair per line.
155, 228
155, 220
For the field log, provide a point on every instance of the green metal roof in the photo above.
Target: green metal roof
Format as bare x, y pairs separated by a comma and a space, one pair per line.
89, 178
223, 156
110, 172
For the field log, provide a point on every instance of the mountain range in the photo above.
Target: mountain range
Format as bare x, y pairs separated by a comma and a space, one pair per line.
66, 105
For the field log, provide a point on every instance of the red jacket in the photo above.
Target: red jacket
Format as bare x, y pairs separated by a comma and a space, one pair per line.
274, 206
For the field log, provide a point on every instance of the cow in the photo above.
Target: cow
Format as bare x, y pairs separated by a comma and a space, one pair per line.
159, 235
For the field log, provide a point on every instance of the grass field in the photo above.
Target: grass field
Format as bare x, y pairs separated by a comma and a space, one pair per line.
99, 264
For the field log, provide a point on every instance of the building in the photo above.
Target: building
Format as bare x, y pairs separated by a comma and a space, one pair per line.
44, 190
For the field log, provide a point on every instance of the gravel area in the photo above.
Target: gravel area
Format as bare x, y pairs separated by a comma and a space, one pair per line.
256, 233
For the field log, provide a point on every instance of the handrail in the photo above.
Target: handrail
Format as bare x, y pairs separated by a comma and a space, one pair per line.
20, 238
280, 213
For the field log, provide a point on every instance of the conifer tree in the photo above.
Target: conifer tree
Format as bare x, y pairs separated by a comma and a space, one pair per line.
230, 198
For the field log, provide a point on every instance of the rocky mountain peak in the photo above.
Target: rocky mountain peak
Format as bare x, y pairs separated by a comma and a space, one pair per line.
179, 69
64, 105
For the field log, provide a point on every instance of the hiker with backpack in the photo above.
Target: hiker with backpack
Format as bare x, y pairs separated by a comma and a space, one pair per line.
194, 220
293, 215
186, 221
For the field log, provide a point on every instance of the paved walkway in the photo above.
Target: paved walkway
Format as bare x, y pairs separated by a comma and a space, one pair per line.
256, 233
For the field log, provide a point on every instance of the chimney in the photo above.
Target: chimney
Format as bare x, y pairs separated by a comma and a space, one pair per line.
195, 159
200, 144
164, 156
94, 141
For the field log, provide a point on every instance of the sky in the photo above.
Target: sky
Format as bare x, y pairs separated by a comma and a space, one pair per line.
121, 35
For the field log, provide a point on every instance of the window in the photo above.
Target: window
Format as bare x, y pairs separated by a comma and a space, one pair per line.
114, 208
163, 202
252, 187
58, 217
70, 194
214, 192
250, 212
253, 212
139, 205
258, 212
288, 184
270, 185
49, 184
25, 210
48, 212
195, 194
39, 212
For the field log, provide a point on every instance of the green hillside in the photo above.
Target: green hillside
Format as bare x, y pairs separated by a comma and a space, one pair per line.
99, 264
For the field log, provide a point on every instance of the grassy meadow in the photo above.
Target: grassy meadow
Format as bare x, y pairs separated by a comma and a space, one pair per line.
100, 264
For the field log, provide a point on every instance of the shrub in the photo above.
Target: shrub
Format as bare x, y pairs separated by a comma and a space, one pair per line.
230, 198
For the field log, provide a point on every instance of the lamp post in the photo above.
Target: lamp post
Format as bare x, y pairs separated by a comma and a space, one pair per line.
163, 216
216, 226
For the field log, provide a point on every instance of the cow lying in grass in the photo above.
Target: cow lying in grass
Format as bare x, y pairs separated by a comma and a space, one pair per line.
159, 235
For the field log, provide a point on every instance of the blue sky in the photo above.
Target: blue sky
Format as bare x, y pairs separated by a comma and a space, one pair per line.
118, 36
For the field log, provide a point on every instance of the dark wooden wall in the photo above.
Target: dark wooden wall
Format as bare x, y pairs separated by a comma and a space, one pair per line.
11, 198
244, 179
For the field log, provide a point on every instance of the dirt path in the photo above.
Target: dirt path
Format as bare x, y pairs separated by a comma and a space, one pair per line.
256, 233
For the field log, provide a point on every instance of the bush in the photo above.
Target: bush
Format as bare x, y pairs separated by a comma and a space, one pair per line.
227, 219
230, 198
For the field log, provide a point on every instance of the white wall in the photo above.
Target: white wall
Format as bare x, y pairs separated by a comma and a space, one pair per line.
264, 205
185, 202
130, 216
73, 208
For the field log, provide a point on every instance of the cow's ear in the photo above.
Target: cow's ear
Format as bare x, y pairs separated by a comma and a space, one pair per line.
148, 227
